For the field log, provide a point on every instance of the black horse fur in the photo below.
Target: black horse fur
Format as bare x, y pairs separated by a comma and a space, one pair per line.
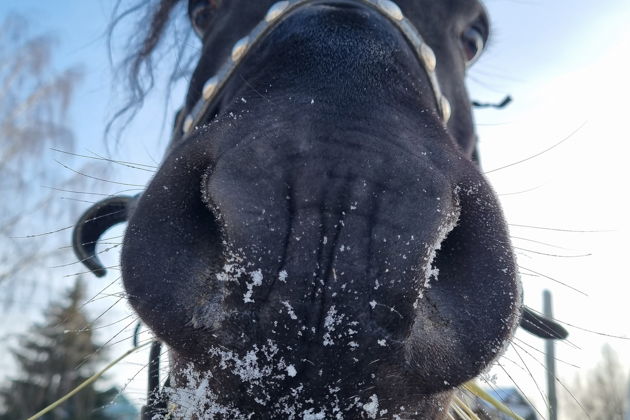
323, 246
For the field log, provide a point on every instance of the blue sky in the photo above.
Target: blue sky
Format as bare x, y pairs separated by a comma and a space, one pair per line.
564, 63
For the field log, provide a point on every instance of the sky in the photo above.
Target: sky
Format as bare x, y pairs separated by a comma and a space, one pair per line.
564, 64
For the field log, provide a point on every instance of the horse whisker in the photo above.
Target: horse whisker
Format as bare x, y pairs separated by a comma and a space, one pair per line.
559, 382
37, 235
551, 255
111, 267
539, 153
97, 178
113, 246
519, 192
91, 193
540, 243
520, 390
590, 331
101, 291
542, 352
558, 229
542, 394
100, 327
553, 279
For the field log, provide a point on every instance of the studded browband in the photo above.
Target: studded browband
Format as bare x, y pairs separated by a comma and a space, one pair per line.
276, 14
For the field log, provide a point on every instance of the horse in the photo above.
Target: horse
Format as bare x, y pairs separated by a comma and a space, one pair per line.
319, 240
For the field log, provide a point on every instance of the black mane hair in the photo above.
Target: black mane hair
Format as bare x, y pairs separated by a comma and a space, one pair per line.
158, 29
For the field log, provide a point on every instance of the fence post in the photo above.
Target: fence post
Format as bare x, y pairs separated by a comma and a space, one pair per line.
550, 361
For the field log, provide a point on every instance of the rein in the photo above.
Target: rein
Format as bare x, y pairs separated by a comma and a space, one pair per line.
190, 119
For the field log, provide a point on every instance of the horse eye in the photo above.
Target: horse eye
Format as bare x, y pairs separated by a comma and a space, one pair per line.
202, 15
472, 44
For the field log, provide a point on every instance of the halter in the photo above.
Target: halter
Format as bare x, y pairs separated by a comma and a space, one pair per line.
278, 13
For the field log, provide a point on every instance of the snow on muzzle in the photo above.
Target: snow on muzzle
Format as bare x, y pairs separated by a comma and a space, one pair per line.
345, 272
344, 262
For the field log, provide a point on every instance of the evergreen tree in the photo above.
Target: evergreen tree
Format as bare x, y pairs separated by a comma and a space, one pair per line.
53, 359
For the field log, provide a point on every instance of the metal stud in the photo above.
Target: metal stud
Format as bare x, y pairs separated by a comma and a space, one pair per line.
209, 87
391, 9
428, 57
276, 10
188, 122
445, 107
239, 48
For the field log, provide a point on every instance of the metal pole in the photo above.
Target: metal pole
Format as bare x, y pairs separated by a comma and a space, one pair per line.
550, 359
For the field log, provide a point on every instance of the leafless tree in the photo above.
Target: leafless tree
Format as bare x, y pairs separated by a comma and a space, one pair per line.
53, 358
602, 392
34, 103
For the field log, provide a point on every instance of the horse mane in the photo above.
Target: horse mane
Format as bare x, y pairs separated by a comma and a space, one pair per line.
135, 71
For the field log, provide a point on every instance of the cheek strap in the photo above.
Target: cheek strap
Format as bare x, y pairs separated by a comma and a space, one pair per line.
93, 223
541, 326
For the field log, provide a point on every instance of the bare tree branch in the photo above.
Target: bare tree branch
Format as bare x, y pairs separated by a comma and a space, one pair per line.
35, 99
603, 391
